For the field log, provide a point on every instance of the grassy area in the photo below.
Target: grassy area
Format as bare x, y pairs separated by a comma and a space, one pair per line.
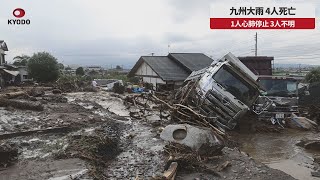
283, 73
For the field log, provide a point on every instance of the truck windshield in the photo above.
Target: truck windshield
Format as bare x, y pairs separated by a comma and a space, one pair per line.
279, 87
235, 85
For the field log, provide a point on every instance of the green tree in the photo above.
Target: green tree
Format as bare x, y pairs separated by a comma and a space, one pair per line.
21, 60
313, 76
61, 66
43, 67
80, 71
118, 67
68, 68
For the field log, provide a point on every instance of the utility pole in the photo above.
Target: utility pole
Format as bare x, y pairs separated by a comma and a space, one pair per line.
168, 48
256, 46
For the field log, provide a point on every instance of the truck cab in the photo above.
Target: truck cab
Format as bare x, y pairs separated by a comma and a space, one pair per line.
226, 89
283, 91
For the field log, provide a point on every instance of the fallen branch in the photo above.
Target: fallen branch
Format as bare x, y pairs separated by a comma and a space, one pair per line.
177, 108
202, 117
163, 102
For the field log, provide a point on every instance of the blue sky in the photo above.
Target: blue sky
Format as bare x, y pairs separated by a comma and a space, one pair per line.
105, 32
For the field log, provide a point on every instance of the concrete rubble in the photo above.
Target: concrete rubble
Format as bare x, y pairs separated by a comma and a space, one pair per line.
201, 140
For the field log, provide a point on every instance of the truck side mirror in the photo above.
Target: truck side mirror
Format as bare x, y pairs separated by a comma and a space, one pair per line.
306, 93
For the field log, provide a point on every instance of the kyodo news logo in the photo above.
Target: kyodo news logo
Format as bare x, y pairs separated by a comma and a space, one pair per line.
18, 13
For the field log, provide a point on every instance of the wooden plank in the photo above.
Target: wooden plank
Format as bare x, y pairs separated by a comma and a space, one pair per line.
62, 129
170, 174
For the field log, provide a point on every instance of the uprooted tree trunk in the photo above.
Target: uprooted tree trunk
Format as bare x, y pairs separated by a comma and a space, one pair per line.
13, 94
26, 105
63, 129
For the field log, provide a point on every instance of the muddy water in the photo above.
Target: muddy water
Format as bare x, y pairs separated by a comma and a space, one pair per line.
279, 151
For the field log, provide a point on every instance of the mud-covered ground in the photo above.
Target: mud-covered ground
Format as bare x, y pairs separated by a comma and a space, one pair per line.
43, 156
103, 142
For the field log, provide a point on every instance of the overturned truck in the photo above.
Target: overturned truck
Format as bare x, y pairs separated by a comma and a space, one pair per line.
219, 95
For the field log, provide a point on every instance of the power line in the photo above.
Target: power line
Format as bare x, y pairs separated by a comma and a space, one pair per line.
297, 57
256, 45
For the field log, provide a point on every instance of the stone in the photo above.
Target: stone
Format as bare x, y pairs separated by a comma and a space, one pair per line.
200, 139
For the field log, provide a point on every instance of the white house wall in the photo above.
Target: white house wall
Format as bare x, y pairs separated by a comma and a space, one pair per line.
153, 80
22, 72
146, 70
148, 75
1, 52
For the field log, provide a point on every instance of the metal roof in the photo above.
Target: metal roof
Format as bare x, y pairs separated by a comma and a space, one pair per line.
166, 69
191, 61
175, 66
13, 73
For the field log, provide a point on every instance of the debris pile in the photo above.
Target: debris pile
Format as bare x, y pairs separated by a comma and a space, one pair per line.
8, 154
187, 159
74, 84
190, 144
6, 100
118, 88
176, 110
97, 149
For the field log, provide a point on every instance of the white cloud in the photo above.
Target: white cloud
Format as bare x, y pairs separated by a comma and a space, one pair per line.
118, 32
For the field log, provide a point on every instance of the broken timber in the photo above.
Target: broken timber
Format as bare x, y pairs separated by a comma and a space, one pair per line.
170, 174
189, 114
62, 129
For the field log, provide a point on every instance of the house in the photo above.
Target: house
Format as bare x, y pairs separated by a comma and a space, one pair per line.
168, 72
9, 73
23, 74
259, 65
3, 49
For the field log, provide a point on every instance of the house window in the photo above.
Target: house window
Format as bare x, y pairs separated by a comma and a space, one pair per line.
25, 76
